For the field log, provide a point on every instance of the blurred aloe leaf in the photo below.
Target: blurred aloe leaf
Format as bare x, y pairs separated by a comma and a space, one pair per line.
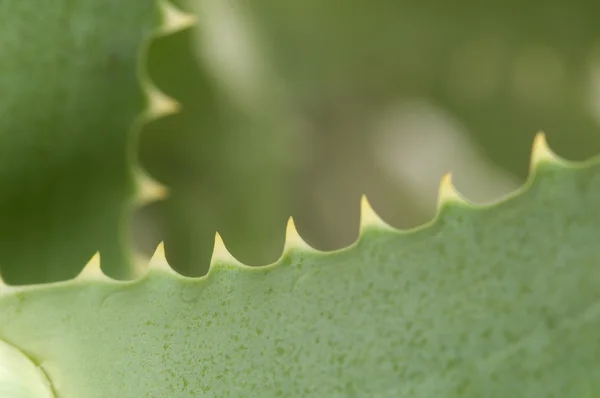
222, 160
69, 94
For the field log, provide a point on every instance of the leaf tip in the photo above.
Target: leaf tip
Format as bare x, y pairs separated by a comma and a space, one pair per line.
220, 253
92, 269
448, 192
148, 189
541, 152
293, 240
159, 104
158, 261
173, 19
368, 216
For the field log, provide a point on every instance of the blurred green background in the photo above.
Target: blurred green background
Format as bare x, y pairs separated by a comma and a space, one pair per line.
299, 107
377, 97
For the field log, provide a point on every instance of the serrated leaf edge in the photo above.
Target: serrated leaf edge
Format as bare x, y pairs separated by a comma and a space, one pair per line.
293, 240
541, 153
448, 194
158, 105
147, 188
223, 259
369, 217
92, 270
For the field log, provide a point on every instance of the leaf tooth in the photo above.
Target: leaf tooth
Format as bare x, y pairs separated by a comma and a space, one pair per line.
221, 255
448, 192
541, 152
159, 262
173, 19
92, 269
368, 216
148, 189
159, 104
293, 240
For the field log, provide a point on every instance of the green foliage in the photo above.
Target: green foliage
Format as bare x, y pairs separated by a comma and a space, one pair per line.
483, 301
497, 301
70, 98
219, 160
69, 95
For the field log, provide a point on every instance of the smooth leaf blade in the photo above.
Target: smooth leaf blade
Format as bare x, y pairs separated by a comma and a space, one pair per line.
497, 301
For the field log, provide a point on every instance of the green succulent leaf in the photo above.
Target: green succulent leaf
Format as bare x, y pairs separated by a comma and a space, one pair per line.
20, 377
494, 301
69, 95
220, 159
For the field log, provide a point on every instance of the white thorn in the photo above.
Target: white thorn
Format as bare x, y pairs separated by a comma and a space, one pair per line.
447, 192
92, 269
368, 216
540, 152
293, 240
148, 189
174, 19
159, 259
159, 104
220, 253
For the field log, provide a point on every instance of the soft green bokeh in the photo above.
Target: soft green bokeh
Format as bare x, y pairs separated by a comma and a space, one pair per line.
505, 69
485, 302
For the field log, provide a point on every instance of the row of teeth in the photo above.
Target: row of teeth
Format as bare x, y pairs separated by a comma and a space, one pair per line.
158, 103
369, 218
148, 190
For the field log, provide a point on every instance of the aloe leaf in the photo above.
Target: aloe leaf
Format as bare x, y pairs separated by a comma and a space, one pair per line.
221, 160
20, 377
69, 96
491, 301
